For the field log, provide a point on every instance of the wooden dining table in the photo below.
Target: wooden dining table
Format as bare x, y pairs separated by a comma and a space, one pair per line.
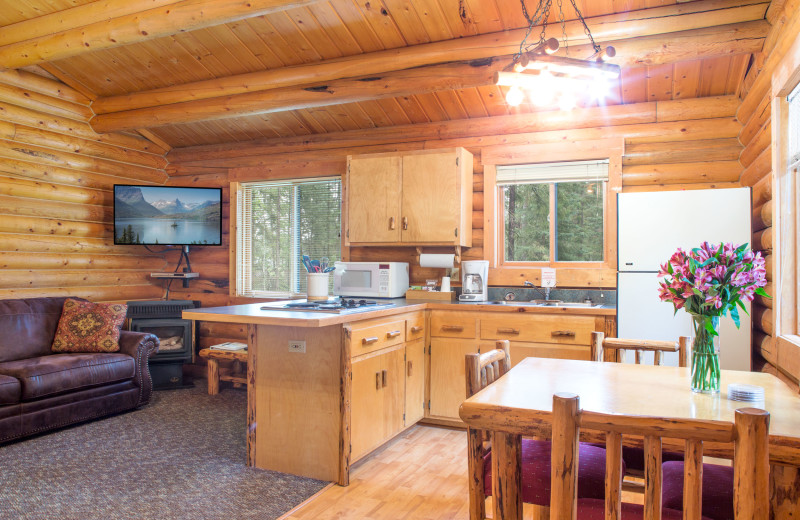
520, 402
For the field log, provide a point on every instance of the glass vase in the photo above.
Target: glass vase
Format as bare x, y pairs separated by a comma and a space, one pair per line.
705, 354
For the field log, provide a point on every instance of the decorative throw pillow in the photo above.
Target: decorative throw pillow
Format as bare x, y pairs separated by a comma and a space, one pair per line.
89, 327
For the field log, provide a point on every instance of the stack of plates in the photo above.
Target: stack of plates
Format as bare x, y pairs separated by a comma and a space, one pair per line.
742, 392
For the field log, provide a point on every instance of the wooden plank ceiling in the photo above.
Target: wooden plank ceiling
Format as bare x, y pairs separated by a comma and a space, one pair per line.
326, 30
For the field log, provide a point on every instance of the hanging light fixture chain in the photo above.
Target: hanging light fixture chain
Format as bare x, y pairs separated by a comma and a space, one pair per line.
585, 26
539, 15
563, 25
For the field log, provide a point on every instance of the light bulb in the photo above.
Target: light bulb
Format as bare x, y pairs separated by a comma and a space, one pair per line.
514, 96
545, 92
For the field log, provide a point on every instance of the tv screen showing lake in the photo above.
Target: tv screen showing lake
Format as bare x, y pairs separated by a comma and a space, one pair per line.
167, 215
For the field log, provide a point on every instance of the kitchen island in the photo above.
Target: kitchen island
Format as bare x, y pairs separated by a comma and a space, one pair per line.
324, 390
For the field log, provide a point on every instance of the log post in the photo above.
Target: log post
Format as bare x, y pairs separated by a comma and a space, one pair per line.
564, 463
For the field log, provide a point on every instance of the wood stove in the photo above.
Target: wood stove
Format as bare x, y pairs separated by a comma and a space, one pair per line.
176, 335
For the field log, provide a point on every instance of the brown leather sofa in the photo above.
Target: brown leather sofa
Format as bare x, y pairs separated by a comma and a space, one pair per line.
41, 390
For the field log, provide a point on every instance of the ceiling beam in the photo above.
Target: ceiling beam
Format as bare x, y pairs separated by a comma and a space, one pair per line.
633, 24
86, 28
742, 38
418, 80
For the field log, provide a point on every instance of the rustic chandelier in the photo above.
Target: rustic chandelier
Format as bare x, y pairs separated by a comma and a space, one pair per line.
547, 78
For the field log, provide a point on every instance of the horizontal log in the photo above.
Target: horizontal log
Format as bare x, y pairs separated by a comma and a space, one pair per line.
45, 104
38, 278
763, 301
692, 151
44, 138
23, 151
526, 124
58, 175
762, 240
600, 278
40, 84
421, 80
631, 24
15, 187
762, 319
145, 24
679, 173
205, 299
180, 170
762, 190
681, 187
754, 148
23, 116
753, 126
69, 211
52, 226
696, 108
758, 169
769, 265
113, 293
762, 216
762, 344
295, 168
31, 243
214, 180
76, 261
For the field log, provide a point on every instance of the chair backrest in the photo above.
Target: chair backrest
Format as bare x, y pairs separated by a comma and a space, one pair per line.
613, 349
749, 435
484, 369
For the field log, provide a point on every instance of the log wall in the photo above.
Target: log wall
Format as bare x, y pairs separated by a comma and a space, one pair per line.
756, 159
56, 178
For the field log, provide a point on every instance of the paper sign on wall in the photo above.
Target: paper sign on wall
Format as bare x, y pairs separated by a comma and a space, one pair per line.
548, 277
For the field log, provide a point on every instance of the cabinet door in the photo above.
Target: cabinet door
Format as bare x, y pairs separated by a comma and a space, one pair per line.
415, 381
448, 377
394, 386
366, 407
431, 198
373, 199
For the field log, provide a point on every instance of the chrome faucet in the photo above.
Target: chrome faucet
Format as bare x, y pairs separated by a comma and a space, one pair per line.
527, 283
546, 293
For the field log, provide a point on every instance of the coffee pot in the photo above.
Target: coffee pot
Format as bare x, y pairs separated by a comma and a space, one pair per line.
474, 281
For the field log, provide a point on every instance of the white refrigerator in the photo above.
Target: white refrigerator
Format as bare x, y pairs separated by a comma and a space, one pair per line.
651, 226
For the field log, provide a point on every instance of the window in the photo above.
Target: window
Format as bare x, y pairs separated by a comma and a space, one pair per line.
553, 212
279, 221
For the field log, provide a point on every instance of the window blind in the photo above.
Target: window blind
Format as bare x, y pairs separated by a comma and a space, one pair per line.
575, 171
794, 126
279, 221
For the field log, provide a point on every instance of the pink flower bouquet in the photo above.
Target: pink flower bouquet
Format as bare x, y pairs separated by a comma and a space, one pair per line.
713, 280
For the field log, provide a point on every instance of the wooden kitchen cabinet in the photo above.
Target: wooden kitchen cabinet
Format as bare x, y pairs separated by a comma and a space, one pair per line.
415, 381
415, 198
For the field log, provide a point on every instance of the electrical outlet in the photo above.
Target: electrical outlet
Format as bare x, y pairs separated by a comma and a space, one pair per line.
298, 347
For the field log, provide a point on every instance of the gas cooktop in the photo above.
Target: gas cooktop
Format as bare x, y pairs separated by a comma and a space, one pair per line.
336, 305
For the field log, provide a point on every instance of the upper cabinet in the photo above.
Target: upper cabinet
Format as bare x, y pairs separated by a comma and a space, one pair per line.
414, 198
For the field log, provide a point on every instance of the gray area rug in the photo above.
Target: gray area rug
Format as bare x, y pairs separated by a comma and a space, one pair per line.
180, 457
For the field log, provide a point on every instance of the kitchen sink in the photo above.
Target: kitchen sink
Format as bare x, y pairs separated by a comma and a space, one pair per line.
542, 303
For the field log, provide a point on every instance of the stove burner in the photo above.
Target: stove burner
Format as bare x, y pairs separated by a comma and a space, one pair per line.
340, 305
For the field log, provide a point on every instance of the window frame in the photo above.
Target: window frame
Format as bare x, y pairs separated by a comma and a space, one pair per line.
574, 274
235, 253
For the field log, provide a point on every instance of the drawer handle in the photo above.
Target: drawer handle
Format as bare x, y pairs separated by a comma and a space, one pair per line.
563, 333
416, 329
507, 331
410, 368
383, 377
391, 223
367, 341
405, 222
393, 334
454, 328
377, 380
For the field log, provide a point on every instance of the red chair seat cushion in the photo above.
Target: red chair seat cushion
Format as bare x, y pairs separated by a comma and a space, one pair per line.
634, 457
717, 489
594, 509
536, 472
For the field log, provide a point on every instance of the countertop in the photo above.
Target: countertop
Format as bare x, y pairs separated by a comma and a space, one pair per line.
253, 314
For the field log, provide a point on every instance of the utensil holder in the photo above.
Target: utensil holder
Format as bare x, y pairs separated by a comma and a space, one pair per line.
317, 286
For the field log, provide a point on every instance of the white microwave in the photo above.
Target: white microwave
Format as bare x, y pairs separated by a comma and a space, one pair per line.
371, 279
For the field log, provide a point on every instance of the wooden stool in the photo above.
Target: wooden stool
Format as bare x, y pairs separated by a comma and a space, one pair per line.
236, 373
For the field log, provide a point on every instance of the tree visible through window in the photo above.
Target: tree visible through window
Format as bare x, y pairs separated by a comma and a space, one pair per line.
572, 194
279, 222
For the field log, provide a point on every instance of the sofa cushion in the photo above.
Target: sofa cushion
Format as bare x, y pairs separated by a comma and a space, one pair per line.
10, 390
57, 373
28, 326
89, 327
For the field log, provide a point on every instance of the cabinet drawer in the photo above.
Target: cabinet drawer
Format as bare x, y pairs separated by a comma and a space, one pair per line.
446, 324
415, 327
573, 330
369, 339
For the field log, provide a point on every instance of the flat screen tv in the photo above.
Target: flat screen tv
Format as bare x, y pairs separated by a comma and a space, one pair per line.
167, 215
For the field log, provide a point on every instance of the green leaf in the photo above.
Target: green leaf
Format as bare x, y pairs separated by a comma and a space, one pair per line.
710, 328
761, 292
735, 316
